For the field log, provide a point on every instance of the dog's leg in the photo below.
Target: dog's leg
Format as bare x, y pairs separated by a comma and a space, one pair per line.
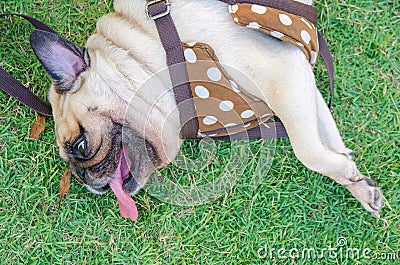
327, 129
296, 103
363, 188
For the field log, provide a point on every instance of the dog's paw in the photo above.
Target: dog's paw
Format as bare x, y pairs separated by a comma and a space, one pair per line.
366, 192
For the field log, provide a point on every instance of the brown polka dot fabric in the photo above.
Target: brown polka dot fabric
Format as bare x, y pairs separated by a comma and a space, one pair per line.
222, 107
279, 24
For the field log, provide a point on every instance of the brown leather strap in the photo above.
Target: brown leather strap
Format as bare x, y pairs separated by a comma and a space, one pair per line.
176, 65
16, 89
263, 131
37, 23
327, 57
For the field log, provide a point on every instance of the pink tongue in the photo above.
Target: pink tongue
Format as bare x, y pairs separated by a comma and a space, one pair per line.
127, 205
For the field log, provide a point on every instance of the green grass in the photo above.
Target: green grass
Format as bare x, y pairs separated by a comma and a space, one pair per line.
292, 208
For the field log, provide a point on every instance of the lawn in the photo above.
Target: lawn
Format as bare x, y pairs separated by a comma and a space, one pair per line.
282, 220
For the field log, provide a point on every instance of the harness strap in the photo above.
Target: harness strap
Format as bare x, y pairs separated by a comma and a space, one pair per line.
266, 130
159, 11
16, 89
327, 57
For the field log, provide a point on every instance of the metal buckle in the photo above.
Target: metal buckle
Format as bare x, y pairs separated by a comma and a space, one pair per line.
163, 14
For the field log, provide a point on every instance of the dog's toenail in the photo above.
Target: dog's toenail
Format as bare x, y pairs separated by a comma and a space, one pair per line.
375, 214
374, 206
370, 182
376, 196
354, 179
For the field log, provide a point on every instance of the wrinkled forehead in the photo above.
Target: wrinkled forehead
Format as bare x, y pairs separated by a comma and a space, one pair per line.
72, 112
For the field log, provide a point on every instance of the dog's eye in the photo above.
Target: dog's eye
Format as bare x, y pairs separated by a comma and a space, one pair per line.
81, 146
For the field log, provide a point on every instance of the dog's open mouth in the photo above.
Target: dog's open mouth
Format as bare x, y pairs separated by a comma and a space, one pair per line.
127, 205
130, 162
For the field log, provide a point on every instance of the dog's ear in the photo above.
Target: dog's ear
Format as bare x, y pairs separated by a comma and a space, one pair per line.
63, 60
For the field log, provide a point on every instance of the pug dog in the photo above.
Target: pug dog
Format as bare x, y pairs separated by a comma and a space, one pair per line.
100, 110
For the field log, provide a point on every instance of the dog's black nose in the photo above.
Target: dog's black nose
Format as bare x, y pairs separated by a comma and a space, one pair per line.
81, 173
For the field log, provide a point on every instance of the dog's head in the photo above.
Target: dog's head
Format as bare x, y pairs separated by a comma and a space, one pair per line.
91, 121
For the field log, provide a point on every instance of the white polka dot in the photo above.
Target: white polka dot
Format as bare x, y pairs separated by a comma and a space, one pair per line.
230, 125
300, 44
246, 124
209, 120
236, 20
247, 114
277, 34
200, 134
191, 44
285, 19
190, 56
201, 92
226, 105
254, 25
234, 86
265, 115
305, 36
214, 74
306, 22
233, 8
313, 57
259, 9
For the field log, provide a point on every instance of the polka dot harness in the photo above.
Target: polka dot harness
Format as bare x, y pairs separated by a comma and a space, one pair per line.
222, 107
218, 107
279, 24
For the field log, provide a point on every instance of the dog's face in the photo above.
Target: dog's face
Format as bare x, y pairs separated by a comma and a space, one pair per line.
91, 125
